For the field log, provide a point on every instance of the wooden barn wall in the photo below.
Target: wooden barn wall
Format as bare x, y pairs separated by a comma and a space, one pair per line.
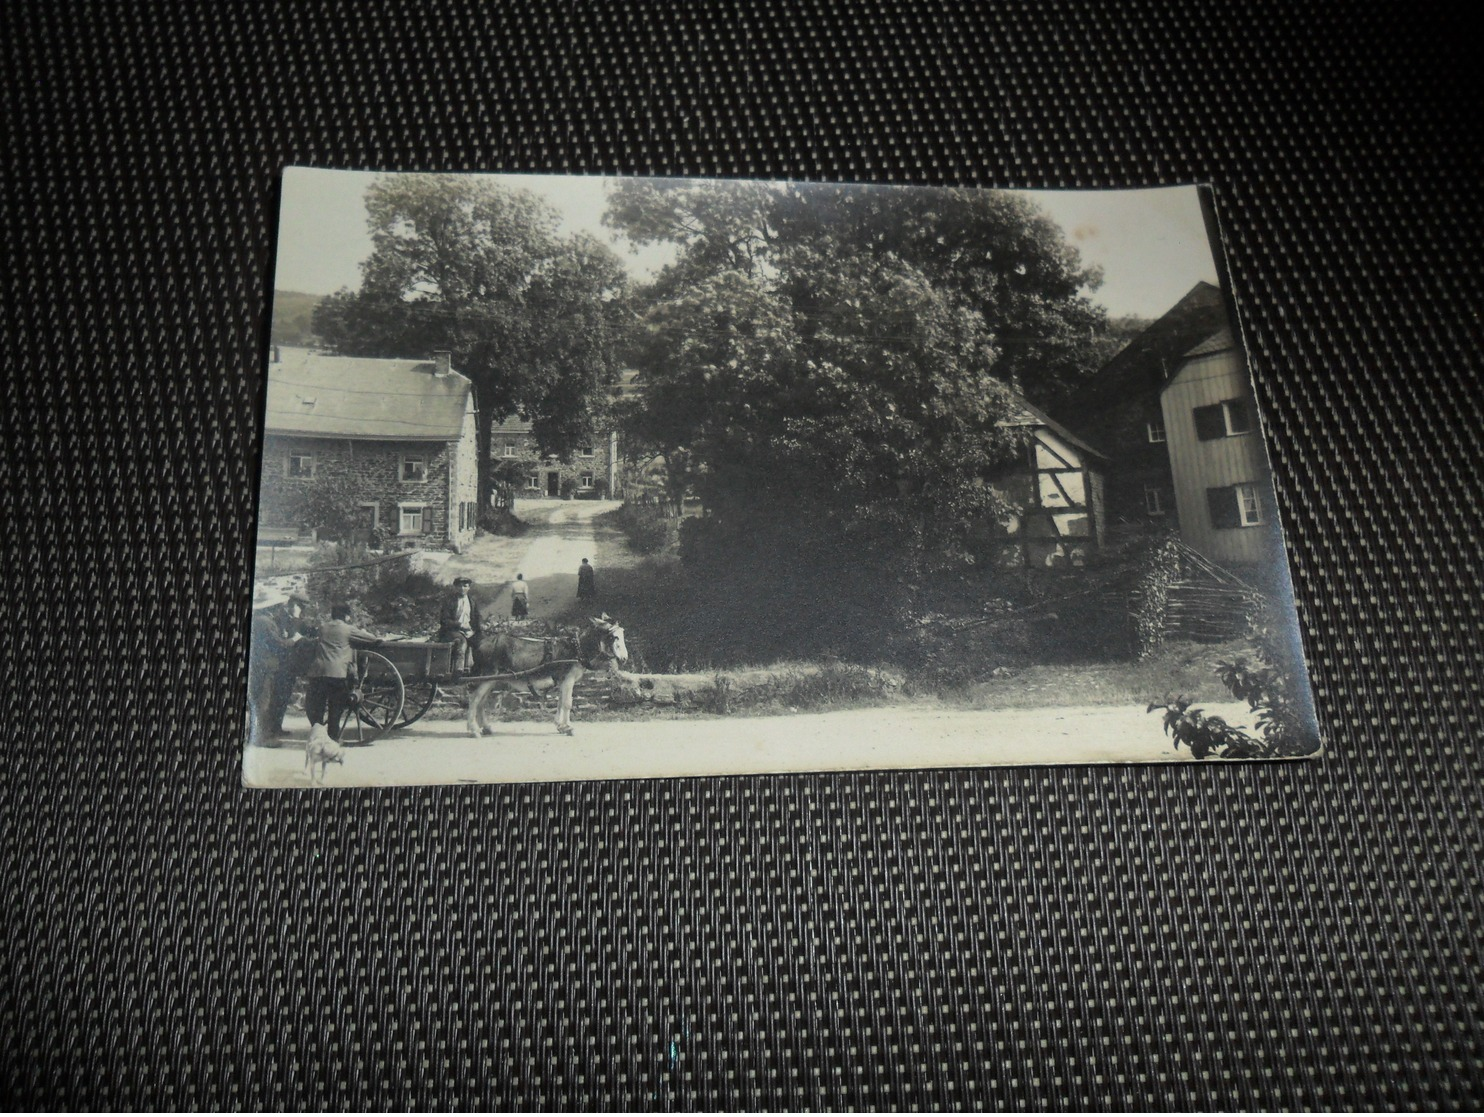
1198, 466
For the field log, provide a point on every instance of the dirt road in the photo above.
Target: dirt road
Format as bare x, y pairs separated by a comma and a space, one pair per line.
851, 740
561, 536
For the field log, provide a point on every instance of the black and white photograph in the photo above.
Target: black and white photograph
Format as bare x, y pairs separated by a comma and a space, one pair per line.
574, 478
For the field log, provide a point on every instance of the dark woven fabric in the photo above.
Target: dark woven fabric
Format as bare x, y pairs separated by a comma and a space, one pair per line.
1257, 936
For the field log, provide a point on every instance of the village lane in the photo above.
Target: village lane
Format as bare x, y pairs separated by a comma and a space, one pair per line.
924, 736
562, 535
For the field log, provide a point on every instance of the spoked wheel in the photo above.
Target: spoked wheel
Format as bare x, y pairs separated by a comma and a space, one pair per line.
420, 696
377, 696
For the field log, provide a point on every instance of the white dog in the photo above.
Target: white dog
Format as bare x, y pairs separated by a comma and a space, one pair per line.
321, 751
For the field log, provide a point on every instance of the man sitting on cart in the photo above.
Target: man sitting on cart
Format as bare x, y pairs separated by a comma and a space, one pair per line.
459, 624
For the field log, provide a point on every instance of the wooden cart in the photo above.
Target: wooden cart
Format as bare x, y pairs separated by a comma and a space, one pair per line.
392, 685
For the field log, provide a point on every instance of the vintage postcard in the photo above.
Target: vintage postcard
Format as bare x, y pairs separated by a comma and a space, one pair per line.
571, 478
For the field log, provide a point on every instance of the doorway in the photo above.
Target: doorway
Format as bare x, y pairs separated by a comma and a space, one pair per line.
553, 483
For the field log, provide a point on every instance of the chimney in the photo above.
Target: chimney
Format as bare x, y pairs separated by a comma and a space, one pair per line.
442, 362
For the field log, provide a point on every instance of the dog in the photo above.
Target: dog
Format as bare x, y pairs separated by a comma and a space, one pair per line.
320, 752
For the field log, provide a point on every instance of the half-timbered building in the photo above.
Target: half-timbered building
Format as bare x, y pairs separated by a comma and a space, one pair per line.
1057, 491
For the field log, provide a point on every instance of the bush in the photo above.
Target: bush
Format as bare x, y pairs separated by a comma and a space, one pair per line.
381, 594
501, 521
1273, 688
569, 486
647, 529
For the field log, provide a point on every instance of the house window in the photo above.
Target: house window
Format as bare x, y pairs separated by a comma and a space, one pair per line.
1156, 429
1154, 502
299, 465
1234, 506
414, 467
1249, 505
587, 480
585, 451
510, 450
533, 480
1222, 420
411, 522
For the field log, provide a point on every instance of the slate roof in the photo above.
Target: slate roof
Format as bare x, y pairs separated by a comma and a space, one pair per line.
1219, 342
320, 395
1027, 414
1149, 359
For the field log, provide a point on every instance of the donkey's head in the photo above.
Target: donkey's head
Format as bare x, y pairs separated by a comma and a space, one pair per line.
610, 637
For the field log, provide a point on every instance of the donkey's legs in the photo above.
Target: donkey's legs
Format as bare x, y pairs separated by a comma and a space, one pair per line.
564, 709
477, 695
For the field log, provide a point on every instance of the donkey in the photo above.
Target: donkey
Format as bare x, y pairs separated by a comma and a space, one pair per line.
533, 665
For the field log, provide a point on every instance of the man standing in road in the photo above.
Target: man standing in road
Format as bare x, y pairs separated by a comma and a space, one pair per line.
328, 695
519, 603
276, 632
586, 582
459, 623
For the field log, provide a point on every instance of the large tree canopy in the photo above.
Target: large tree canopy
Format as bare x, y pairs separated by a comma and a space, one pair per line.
532, 317
837, 362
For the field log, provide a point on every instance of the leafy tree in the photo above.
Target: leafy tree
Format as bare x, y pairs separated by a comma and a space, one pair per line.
989, 251
507, 475
328, 508
835, 365
531, 317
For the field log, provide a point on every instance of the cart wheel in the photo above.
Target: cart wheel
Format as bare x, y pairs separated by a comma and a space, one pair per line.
377, 695
419, 700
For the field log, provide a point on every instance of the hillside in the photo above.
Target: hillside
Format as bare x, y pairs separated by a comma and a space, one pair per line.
293, 312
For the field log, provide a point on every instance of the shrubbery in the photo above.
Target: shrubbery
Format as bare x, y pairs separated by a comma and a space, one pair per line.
648, 530
382, 594
501, 521
1273, 688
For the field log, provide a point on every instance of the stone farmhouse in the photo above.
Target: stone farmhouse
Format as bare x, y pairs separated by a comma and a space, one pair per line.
591, 471
398, 434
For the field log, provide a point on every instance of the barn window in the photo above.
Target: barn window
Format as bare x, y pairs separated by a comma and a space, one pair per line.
1156, 428
1249, 504
411, 519
414, 467
299, 465
1222, 420
1234, 506
1154, 502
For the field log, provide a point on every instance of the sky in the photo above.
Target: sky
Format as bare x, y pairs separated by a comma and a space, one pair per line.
1151, 244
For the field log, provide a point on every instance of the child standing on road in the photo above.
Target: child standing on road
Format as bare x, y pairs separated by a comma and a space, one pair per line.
519, 604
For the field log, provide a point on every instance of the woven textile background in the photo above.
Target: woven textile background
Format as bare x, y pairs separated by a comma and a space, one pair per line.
1242, 936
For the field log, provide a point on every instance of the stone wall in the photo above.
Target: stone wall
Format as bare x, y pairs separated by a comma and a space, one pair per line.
373, 470
464, 483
